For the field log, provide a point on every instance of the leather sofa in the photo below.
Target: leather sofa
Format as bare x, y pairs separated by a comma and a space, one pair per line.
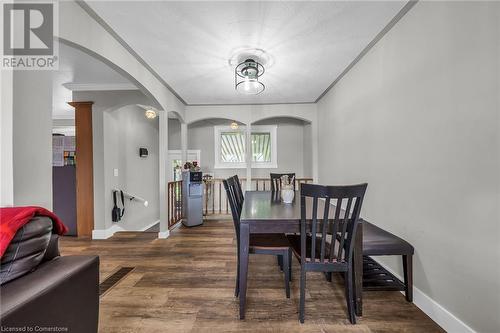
43, 291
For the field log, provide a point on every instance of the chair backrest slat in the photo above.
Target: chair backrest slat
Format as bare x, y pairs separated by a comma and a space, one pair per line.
313, 228
276, 180
335, 225
345, 222
342, 227
232, 196
325, 228
239, 191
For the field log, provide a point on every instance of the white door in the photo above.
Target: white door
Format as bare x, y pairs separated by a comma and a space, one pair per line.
175, 163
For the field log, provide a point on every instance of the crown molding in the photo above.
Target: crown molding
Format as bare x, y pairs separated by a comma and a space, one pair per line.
250, 104
99, 86
86, 7
406, 8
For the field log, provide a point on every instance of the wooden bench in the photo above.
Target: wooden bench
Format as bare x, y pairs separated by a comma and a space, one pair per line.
379, 242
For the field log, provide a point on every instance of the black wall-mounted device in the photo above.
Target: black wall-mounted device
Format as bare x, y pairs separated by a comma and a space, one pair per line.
143, 152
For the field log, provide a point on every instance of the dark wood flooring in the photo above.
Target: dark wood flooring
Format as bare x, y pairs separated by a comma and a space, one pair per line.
186, 283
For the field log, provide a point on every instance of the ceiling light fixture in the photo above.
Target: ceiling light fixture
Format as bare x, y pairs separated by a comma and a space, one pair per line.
246, 77
234, 125
150, 114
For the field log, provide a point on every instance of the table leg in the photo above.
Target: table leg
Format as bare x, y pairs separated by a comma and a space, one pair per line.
358, 271
244, 243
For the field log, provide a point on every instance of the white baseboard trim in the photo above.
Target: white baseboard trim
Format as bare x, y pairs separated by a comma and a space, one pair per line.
444, 318
149, 225
163, 234
107, 233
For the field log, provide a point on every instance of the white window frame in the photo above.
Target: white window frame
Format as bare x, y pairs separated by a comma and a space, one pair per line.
272, 129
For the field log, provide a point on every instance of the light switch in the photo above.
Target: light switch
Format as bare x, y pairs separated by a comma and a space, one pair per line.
115, 172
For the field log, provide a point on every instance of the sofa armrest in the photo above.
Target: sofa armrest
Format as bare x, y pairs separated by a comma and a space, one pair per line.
53, 248
61, 293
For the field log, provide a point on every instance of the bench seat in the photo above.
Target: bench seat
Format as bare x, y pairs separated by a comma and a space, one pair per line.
379, 242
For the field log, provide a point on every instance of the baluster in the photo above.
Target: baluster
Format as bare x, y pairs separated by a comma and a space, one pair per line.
206, 197
170, 212
168, 203
213, 198
181, 205
177, 193
173, 204
220, 197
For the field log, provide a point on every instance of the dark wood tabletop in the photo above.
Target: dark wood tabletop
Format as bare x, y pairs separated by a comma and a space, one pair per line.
262, 206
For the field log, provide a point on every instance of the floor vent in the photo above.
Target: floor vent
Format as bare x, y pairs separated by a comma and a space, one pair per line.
113, 279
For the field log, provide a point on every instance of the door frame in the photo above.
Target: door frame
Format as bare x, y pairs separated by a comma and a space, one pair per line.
175, 152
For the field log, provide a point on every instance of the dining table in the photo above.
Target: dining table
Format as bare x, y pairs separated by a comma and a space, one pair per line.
265, 212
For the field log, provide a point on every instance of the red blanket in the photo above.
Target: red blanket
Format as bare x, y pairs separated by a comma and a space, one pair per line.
14, 218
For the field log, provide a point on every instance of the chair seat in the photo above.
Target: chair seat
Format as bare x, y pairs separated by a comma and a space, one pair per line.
378, 242
269, 241
294, 241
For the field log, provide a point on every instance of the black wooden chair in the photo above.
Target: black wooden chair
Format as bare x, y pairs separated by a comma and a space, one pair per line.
328, 247
276, 180
273, 244
239, 191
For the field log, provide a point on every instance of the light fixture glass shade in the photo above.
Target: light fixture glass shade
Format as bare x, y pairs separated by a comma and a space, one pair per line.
150, 114
246, 77
250, 87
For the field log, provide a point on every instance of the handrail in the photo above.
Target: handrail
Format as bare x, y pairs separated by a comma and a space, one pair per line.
133, 197
214, 195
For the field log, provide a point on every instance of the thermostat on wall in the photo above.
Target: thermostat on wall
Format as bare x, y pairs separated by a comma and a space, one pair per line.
143, 152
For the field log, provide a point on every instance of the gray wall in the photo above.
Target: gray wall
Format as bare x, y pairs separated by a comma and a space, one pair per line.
291, 146
6, 162
127, 131
418, 119
119, 129
32, 138
174, 134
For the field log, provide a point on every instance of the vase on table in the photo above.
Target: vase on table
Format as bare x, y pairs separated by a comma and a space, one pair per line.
287, 193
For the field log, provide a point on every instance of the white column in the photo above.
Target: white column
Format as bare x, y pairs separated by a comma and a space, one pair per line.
184, 142
315, 142
248, 148
163, 177
32, 158
6, 144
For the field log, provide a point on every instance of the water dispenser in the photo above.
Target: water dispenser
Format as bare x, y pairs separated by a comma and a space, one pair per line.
192, 198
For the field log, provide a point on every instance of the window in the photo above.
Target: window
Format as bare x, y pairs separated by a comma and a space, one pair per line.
230, 147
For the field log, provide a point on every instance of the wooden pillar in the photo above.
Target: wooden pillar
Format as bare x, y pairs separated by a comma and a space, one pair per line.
84, 169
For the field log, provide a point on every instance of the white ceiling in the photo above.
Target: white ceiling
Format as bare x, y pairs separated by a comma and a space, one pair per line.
189, 43
77, 67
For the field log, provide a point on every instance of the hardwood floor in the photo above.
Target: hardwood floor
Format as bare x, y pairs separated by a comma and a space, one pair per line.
186, 283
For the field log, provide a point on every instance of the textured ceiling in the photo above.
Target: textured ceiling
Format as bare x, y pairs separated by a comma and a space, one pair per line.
189, 43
